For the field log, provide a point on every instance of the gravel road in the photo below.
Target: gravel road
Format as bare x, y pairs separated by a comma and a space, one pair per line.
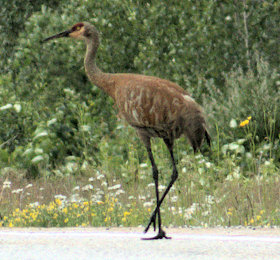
125, 243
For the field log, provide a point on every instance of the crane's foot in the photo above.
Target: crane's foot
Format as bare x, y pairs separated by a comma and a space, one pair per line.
161, 234
152, 221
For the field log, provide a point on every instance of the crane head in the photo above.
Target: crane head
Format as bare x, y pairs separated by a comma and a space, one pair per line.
79, 31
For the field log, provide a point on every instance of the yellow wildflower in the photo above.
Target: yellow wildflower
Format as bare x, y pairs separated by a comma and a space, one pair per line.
252, 221
51, 207
11, 224
126, 213
58, 202
244, 123
262, 211
259, 217
85, 203
107, 219
66, 220
229, 212
65, 210
124, 219
100, 202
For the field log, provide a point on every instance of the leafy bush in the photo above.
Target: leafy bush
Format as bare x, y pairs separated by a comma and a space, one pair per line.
255, 94
51, 116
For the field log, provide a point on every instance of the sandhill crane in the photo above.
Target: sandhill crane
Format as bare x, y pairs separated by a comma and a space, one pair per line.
154, 107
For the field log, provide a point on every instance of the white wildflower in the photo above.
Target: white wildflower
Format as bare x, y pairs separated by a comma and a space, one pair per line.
118, 192
60, 197
267, 163
17, 191
100, 176
208, 165
209, 199
147, 204
7, 184
142, 197
174, 198
161, 188
34, 204
91, 179
8, 106
75, 198
228, 18
205, 213
17, 107
104, 183
100, 192
76, 188
28, 186
85, 128
87, 187
201, 161
96, 198
115, 187
232, 123
151, 185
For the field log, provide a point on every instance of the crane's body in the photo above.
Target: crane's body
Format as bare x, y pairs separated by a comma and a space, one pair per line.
155, 107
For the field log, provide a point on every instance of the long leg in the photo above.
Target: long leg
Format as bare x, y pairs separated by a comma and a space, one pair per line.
174, 177
161, 233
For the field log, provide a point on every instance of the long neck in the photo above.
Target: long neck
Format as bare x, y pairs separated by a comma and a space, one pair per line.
96, 76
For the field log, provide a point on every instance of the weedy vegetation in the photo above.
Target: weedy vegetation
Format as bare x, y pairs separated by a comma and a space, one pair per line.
67, 160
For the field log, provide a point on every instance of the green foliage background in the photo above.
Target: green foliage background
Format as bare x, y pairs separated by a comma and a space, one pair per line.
226, 53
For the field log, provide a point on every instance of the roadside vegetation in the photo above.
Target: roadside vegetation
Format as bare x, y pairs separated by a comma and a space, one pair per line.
67, 160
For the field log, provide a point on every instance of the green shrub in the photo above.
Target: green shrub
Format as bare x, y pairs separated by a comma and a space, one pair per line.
247, 94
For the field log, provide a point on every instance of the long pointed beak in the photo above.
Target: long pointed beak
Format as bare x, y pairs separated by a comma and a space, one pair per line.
59, 35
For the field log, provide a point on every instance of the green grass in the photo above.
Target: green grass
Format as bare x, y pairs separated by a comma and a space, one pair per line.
207, 193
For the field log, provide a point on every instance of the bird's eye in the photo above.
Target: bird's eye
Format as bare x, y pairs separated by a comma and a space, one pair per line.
78, 28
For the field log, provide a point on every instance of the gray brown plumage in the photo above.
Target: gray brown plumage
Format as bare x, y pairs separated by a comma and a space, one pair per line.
154, 107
